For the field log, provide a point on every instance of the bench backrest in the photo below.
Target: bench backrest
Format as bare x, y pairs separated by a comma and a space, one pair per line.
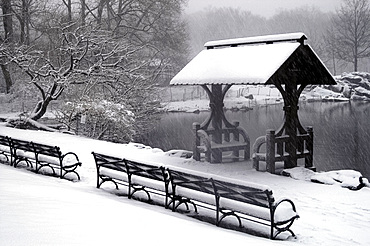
20, 144
4, 140
252, 194
191, 181
110, 162
247, 194
48, 150
146, 170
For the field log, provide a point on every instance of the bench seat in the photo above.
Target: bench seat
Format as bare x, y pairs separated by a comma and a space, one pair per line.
4, 148
67, 160
282, 214
28, 156
136, 180
229, 146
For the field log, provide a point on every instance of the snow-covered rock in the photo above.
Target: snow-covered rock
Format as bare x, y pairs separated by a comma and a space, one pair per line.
346, 178
355, 85
350, 179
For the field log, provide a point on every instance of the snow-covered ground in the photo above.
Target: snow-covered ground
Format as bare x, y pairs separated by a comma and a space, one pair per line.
41, 210
242, 98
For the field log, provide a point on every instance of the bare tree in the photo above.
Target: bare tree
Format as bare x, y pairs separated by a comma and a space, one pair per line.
144, 22
98, 67
116, 58
350, 32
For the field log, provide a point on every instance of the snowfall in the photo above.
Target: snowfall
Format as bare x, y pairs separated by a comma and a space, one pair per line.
38, 209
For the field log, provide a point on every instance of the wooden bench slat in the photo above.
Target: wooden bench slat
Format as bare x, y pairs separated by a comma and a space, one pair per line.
145, 170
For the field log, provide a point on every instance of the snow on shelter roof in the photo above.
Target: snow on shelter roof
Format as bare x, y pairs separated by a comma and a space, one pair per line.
299, 36
255, 60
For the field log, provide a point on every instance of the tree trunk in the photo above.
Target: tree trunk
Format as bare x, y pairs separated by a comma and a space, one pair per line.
7, 78
8, 20
100, 12
8, 28
83, 12
69, 7
40, 109
108, 15
24, 23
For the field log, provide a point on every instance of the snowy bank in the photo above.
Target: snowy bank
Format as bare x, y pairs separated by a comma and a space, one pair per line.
350, 86
42, 210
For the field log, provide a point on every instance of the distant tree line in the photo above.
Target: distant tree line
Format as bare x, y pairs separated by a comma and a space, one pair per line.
341, 39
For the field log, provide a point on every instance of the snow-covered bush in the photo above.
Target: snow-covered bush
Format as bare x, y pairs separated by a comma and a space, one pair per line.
100, 119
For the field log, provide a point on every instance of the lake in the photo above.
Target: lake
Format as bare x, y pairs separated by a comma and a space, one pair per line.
341, 131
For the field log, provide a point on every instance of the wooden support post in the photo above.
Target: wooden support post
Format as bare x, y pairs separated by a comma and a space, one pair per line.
236, 139
196, 153
309, 147
270, 151
291, 124
217, 106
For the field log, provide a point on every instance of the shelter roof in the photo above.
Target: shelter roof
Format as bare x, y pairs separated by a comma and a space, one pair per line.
298, 36
256, 60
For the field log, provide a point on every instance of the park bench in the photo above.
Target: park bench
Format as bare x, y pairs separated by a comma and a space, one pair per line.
233, 139
5, 147
43, 155
252, 202
136, 176
277, 150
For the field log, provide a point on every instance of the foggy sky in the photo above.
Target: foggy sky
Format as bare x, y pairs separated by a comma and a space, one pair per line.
266, 8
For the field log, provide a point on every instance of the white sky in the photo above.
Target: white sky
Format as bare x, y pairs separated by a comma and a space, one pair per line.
265, 8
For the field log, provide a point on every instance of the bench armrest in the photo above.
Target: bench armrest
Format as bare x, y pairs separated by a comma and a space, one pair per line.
69, 162
243, 134
204, 138
258, 144
284, 213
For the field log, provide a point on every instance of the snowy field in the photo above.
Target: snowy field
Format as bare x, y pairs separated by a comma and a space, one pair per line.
41, 210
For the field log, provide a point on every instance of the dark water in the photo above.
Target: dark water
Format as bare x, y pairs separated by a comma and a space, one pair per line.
341, 131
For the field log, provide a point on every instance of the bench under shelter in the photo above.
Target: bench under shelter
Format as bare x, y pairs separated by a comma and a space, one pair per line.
282, 60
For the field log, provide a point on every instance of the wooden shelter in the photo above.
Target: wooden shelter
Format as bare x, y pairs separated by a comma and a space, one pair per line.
284, 61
